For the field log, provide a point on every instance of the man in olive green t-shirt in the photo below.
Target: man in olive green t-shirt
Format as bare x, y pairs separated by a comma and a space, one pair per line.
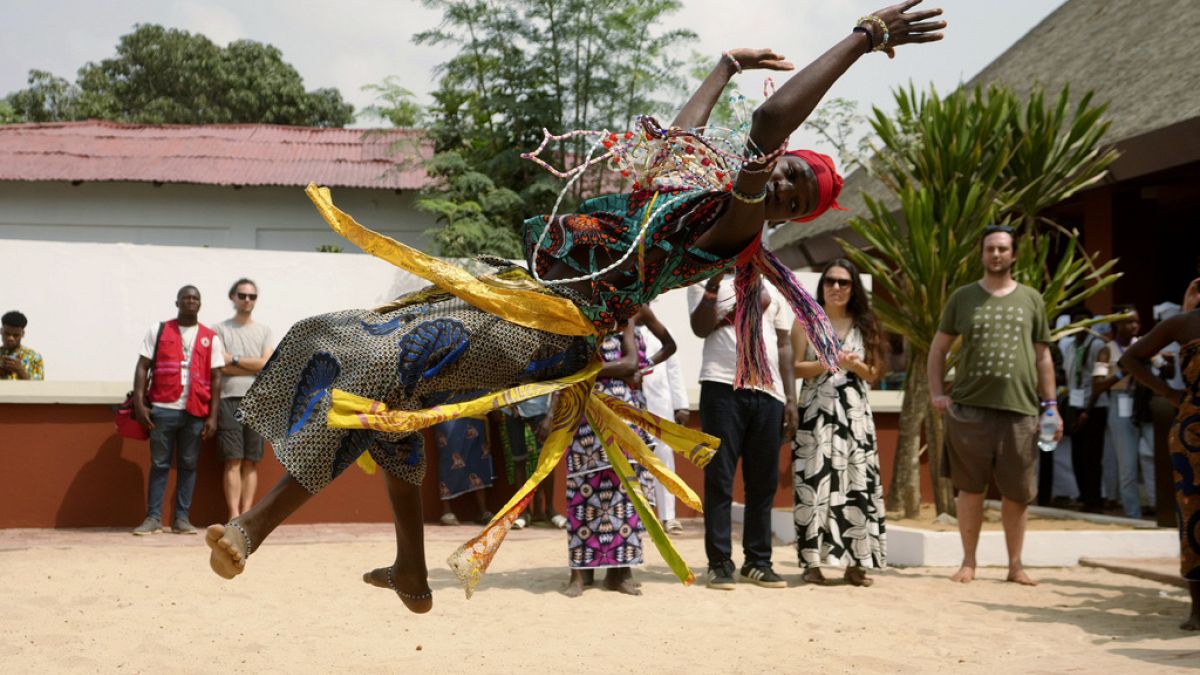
1004, 378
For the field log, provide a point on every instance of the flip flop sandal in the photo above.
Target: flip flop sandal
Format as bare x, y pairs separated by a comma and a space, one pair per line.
519, 523
449, 519
559, 521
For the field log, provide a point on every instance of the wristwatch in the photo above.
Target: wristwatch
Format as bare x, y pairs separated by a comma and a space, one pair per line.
235, 360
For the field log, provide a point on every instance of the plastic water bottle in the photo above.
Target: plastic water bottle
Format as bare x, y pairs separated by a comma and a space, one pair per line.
1047, 427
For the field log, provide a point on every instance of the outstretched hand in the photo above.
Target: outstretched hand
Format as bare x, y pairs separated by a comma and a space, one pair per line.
906, 27
766, 59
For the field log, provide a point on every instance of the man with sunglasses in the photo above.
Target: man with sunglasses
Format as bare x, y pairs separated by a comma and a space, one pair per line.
1004, 379
249, 345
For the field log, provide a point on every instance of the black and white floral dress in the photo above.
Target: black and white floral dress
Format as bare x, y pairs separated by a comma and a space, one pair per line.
837, 490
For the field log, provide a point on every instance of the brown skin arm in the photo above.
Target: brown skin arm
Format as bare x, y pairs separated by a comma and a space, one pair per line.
648, 319
785, 110
210, 422
1136, 359
626, 366
1047, 387
704, 318
783, 342
140, 378
696, 111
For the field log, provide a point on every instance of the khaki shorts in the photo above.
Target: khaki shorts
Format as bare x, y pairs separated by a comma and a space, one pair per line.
983, 443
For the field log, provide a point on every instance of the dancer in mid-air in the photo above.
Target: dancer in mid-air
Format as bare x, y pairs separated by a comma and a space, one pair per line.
362, 381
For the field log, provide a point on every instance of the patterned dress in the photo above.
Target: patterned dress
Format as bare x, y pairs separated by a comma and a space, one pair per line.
464, 457
838, 494
1185, 460
603, 528
429, 344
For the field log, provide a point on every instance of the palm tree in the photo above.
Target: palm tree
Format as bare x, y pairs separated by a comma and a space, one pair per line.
955, 165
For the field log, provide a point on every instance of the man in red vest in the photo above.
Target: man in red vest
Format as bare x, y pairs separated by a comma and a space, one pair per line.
186, 358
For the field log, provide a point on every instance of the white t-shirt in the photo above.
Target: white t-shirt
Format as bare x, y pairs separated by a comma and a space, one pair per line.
720, 347
188, 333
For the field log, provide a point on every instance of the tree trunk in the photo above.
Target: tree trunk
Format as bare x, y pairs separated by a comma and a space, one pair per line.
904, 493
935, 436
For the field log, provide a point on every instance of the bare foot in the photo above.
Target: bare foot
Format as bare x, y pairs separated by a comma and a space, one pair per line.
1018, 576
857, 576
228, 557
579, 580
405, 585
964, 575
813, 575
1192, 623
620, 579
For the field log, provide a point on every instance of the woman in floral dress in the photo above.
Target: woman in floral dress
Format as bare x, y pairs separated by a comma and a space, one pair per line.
839, 511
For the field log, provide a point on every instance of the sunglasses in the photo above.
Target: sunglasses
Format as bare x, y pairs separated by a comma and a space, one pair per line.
247, 296
840, 283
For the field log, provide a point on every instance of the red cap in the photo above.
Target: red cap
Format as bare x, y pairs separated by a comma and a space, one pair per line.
829, 183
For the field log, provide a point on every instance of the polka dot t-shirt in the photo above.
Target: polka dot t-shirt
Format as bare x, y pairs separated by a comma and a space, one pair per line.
996, 367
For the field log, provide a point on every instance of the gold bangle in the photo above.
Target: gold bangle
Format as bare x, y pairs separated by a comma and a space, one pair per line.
749, 199
871, 18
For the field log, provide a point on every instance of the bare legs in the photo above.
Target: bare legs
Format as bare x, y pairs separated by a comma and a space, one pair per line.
407, 576
1193, 621
241, 482
619, 579
1012, 515
229, 546
970, 521
232, 544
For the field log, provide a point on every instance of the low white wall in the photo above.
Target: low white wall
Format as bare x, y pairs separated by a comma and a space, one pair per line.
89, 304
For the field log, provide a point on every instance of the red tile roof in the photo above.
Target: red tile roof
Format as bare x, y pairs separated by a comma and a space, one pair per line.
214, 154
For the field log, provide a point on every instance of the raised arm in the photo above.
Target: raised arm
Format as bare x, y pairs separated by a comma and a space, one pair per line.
695, 112
784, 188
787, 108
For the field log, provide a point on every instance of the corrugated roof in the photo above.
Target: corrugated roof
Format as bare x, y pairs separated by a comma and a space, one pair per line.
214, 154
1136, 56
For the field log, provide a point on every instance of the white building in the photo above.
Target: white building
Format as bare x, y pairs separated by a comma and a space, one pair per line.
221, 186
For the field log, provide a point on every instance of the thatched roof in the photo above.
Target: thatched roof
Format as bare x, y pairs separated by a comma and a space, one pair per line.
1139, 57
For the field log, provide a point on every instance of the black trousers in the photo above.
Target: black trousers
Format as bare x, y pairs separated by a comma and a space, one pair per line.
1087, 457
750, 425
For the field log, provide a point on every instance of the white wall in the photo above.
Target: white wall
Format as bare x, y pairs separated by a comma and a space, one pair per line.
275, 218
90, 304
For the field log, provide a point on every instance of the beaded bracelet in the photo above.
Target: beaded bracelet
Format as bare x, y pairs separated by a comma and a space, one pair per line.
871, 18
1049, 404
737, 66
749, 199
870, 37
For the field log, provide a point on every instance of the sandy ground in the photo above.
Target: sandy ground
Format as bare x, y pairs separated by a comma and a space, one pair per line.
87, 601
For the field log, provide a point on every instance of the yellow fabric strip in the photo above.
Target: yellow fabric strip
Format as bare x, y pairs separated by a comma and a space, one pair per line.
349, 411
471, 560
531, 309
697, 446
633, 444
606, 434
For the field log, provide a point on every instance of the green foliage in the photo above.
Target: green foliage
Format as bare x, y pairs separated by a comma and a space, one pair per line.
957, 164
473, 212
526, 65
966, 161
329, 248
393, 103
168, 76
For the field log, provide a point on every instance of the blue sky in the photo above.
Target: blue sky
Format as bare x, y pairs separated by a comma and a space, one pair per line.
351, 43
